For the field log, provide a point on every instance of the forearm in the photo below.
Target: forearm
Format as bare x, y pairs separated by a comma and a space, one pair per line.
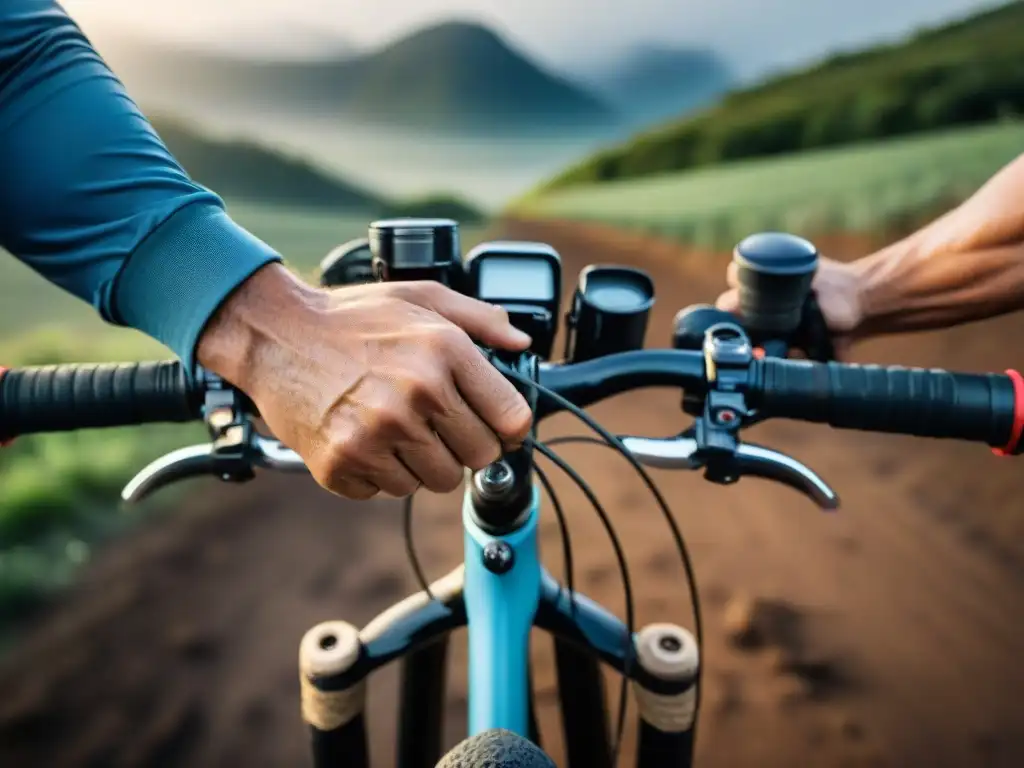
967, 265
90, 197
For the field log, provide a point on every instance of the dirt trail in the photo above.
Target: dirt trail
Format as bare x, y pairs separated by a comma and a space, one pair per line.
891, 630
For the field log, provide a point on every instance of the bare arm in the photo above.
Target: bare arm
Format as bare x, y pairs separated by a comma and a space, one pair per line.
967, 265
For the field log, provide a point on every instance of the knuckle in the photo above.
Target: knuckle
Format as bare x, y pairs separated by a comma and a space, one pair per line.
388, 420
428, 389
515, 418
359, 492
419, 291
483, 454
453, 480
448, 336
499, 312
341, 458
400, 488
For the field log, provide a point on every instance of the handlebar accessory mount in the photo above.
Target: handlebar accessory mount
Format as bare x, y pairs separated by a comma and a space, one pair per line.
609, 312
415, 249
350, 263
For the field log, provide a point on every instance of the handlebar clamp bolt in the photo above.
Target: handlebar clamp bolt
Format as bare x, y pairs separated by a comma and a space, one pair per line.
498, 557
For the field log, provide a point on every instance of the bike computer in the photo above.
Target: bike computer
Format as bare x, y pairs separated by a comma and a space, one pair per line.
523, 277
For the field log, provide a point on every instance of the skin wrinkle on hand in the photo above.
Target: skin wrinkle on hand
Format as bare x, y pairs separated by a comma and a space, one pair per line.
370, 386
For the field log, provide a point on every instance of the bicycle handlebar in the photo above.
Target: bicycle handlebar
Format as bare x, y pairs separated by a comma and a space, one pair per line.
986, 408
58, 398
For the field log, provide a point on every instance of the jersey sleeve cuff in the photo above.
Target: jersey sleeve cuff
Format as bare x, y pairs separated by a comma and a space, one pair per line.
173, 283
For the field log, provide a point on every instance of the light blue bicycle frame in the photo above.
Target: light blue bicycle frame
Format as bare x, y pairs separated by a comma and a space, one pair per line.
500, 609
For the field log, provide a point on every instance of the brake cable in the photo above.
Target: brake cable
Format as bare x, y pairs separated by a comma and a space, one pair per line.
563, 526
613, 442
584, 439
410, 547
627, 587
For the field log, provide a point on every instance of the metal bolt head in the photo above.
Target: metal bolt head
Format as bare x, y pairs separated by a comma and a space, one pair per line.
498, 557
495, 480
725, 416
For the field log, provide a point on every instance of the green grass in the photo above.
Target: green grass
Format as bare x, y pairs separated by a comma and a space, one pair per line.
877, 187
59, 493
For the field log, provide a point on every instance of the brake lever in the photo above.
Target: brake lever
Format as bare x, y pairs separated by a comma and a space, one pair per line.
759, 461
209, 459
177, 465
683, 452
234, 450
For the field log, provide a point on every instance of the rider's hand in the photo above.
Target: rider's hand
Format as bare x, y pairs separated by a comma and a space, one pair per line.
838, 288
378, 387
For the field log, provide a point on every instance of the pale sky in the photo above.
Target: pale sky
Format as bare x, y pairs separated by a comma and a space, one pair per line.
752, 34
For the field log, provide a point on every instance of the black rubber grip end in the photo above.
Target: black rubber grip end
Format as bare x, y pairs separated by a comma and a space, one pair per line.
60, 398
909, 401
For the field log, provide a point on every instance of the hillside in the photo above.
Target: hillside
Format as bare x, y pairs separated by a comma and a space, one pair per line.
455, 77
654, 82
968, 72
880, 189
249, 172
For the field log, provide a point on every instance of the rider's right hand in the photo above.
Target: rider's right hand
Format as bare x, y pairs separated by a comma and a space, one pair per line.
378, 387
838, 289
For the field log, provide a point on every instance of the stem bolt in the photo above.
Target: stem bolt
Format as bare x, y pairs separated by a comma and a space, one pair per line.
498, 557
495, 480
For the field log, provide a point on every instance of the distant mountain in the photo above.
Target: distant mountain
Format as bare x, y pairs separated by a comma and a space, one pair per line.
243, 170
439, 205
452, 77
461, 74
655, 82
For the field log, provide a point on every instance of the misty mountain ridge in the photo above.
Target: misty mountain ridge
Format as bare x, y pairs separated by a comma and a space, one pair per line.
655, 81
451, 77
244, 170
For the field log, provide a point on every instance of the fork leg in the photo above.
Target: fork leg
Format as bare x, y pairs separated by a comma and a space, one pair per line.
333, 697
421, 711
534, 729
667, 718
584, 717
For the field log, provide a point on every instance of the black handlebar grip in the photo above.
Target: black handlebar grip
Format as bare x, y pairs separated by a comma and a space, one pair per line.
58, 398
910, 401
774, 270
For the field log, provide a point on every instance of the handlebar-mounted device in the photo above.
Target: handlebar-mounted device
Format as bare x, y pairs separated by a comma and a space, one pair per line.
608, 314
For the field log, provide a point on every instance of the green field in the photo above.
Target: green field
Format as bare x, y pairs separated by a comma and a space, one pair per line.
59, 493
873, 188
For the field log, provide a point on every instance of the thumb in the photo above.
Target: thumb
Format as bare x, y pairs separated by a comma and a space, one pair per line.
729, 301
732, 275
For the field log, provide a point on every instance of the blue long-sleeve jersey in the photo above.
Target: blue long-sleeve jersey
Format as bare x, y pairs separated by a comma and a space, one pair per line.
91, 199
